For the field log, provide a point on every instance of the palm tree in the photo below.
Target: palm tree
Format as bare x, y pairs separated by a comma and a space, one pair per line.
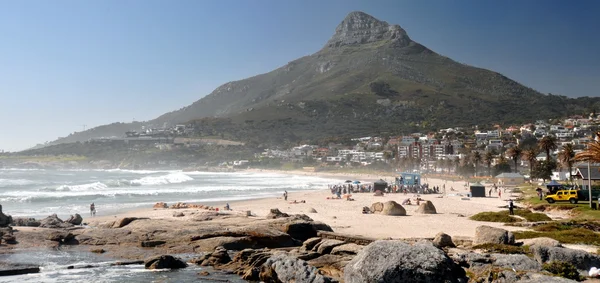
476, 157
531, 156
515, 154
592, 153
488, 158
547, 144
567, 157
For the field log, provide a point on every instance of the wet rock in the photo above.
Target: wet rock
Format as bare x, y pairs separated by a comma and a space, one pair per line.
426, 207
164, 262
75, 219
53, 221
18, 269
218, 257
396, 261
98, 251
5, 220
347, 249
275, 213
285, 268
203, 273
582, 260
29, 222
443, 240
486, 234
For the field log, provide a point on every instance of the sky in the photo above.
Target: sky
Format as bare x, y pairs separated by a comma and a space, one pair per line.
68, 65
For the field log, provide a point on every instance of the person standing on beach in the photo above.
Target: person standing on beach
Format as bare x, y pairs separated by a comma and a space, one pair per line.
511, 207
285, 195
92, 209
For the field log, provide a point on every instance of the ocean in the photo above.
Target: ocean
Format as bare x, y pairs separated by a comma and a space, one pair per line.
40, 193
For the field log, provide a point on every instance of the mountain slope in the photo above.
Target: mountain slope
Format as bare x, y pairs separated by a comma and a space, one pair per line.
370, 77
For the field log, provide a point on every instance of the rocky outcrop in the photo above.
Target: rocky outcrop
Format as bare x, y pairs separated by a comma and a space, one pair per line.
164, 262
388, 208
303, 230
60, 237
396, 261
275, 213
309, 244
347, 249
580, 259
490, 235
325, 246
75, 219
426, 207
284, 268
120, 223
29, 222
360, 28
443, 240
53, 221
5, 220
541, 241
218, 257
160, 205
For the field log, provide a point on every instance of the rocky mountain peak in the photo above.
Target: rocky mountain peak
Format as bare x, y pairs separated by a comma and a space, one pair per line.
361, 28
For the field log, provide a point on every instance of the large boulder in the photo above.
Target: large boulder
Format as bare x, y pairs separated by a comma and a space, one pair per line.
219, 257
443, 240
582, 260
5, 220
517, 262
376, 207
276, 213
164, 262
490, 235
426, 207
303, 230
393, 208
53, 221
396, 262
75, 219
284, 268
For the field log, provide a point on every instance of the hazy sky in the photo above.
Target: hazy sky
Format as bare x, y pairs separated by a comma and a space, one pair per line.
65, 64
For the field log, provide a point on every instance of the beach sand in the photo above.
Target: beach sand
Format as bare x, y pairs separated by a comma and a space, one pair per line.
346, 216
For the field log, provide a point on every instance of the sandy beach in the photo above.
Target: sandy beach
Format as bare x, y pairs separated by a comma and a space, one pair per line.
453, 211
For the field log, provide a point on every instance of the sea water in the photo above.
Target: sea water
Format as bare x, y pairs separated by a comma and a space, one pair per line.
40, 193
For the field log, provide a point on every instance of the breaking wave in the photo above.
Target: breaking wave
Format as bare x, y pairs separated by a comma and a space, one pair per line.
173, 178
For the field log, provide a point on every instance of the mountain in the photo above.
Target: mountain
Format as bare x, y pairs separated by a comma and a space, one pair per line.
369, 78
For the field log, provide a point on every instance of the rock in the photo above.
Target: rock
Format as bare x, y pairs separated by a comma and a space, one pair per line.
325, 246
378, 193
443, 240
178, 214
580, 259
125, 221
396, 261
160, 205
347, 249
59, 236
486, 234
309, 244
312, 210
5, 220
376, 207
218, 257
98, 251
75, 219
360, 28
53, 221
152, 243
541, 241
426, 207
331, 265
275, 213
285, 268
203, 273
393, 208
304, 230
18, 269
29, 222
163, 262
542, 278
518, 262
9, 239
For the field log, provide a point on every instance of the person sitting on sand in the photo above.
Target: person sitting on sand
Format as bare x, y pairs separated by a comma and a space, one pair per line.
406, 202
227, 206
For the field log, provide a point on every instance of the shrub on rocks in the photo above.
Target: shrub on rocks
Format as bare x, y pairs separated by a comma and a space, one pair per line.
396, 261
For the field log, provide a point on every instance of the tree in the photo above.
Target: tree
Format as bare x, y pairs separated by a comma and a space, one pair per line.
592, 152
547, 144
515, 154
543, 170
502, 166
567, 157
476, 158
531, 156
488, 158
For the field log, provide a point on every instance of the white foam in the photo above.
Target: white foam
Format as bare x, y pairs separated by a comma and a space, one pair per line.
16, 182
173, 178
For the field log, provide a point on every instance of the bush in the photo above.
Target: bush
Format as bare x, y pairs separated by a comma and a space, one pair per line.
501, 216
571, 236
500, 248
563, 269
532, 216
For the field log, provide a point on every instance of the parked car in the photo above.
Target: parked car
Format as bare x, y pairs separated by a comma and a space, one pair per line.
563, 195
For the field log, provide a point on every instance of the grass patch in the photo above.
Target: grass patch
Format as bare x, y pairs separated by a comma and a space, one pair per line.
500, 248
563, 269
503, 216
570, 236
